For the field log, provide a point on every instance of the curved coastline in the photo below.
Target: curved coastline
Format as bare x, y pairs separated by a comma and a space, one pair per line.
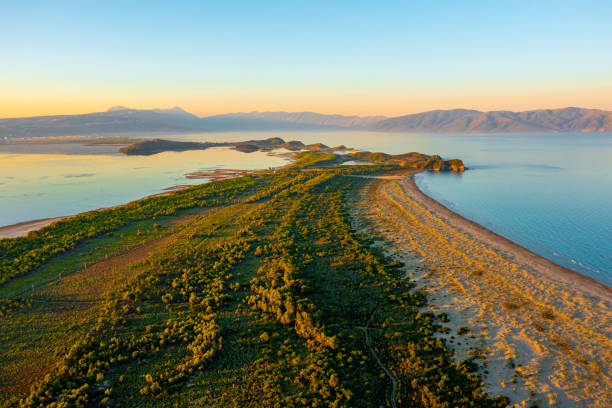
567, 275
541, 333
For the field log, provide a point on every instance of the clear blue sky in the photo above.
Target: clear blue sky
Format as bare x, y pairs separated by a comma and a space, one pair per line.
346, 56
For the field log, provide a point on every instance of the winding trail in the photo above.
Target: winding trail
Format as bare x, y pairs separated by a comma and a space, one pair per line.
380, 363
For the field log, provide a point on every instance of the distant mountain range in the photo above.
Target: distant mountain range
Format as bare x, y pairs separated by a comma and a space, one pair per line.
116, 120
463, 120
122, 120
306, 119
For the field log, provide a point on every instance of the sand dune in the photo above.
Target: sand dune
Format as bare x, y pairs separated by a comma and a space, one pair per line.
542, 333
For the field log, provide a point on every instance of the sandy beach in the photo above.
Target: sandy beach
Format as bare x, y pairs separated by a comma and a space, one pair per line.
541, 333
21, 229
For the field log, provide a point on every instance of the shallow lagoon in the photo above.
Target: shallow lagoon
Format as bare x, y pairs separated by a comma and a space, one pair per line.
36, 185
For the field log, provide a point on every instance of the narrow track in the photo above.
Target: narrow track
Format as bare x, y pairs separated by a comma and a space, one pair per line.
380, 363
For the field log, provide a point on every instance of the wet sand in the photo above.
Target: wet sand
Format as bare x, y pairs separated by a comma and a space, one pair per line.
541, 333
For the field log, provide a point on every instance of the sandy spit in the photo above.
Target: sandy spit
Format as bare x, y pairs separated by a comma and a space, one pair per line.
541, 333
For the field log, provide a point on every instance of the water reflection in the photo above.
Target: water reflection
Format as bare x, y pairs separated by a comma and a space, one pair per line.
50, 185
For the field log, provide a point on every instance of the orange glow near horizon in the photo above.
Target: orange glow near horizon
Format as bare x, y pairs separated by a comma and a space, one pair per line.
350, 58
345, 101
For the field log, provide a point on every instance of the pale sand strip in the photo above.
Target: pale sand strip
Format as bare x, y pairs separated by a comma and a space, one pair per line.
21, 229
543, 332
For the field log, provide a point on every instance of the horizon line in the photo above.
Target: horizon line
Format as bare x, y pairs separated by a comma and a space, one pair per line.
121, 107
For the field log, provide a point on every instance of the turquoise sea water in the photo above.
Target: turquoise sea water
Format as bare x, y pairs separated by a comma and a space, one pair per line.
551, 193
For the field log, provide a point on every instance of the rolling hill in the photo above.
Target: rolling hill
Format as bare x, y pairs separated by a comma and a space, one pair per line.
115, 120
464, 121
121, 120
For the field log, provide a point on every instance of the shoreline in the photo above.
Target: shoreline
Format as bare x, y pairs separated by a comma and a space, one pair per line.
21, 229
540, 333
568, 275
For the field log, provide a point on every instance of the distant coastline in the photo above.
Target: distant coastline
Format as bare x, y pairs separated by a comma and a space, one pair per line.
21, 229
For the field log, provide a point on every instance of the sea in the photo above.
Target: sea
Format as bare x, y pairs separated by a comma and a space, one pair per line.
549, 192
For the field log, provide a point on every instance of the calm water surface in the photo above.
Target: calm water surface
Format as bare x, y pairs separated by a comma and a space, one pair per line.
551, 193
76, 178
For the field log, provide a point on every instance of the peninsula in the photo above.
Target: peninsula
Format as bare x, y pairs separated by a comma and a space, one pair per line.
323, 281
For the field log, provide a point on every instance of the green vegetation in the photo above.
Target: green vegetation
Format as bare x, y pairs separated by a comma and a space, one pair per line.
154, 146
23, 255
309, 159
411, 160
254, 292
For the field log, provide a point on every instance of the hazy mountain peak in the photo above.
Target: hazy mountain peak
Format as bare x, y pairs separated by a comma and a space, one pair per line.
303, 120
174, 111
117, 108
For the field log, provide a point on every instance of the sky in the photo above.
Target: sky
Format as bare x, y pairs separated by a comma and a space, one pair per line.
348, 57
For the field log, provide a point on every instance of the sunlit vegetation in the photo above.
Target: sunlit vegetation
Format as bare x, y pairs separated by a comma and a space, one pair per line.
273, 300
22, 255
306, 159
411, 160
154, 146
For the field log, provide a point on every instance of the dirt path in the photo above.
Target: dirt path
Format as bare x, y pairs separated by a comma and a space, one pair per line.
393, 396
543, 334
